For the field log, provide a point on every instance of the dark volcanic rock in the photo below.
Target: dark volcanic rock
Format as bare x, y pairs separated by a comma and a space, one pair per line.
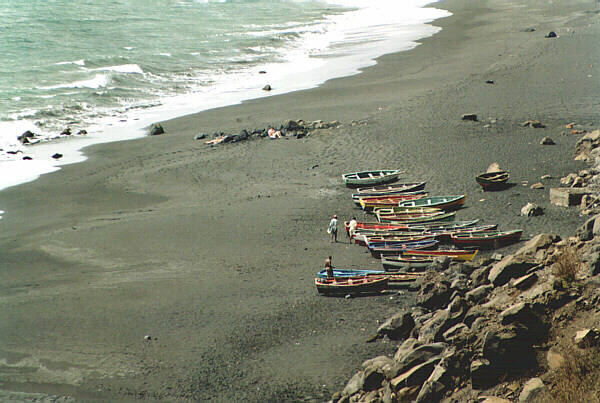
551, 34
469, 116
397, 327
156, 129
267, 88
57, 156
512, 266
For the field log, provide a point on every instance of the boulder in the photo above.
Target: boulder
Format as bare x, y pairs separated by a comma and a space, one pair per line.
481, 373
457, 334
57, 156
531, 210
415, 375
555, 359
476, 312
525, 282
434, 387
531, 390
547, 141
415, 357
480, 276
377, 362
373, 378
156, 129
512, 266
434, 294
354, 384
405, 348
588, 229
66, 132
509, 349
540, 241
477, 295
593, 262
267, 88
433, 329
586, 338
551, 34
82, 132
397, 327
469, 116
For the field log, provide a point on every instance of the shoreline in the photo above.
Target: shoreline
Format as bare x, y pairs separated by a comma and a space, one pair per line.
211, 251
134, 123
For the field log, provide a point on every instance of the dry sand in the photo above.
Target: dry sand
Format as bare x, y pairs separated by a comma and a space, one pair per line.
213, 251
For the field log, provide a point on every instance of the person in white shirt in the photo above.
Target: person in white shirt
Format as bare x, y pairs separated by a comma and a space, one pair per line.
352, 228
332, 230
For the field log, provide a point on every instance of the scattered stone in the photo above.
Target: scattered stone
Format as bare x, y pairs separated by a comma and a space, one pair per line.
82, 132
27, 158
489, 81
547, 141
267, 88
200, 136
57, 156
529, 30
147, 337
551, 34
544, 177
538, 185
533, 123
24, 138
66, 132
156, 129
531, 210
470, 116
531, 390
262, 72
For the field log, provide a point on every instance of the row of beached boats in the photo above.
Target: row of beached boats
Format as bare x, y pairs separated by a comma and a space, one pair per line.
410, 226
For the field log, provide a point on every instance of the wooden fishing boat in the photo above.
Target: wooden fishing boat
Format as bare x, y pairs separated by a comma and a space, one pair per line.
367, 178
446, 233
386, 215
390, 189
414, 227
408, 263
377, 251
399, 243
486, 239
442, 225
443, 202
374, 202
457, 254
392, 277
405, 210
356, 198
493, 180
361, 238
424, 218
351, 285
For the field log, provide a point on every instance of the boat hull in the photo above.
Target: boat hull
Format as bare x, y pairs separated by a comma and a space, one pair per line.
486, 239
351, 285
368, 178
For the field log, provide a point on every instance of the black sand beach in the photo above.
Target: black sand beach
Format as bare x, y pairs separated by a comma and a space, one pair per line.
212, 251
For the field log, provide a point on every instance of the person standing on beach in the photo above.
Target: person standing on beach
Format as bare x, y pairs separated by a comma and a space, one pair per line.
333, 228
352, 228
329, 267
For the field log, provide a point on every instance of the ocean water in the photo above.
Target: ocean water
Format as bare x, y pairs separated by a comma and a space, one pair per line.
112, 67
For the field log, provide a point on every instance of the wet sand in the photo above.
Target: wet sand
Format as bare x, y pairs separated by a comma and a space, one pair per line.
212, 251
